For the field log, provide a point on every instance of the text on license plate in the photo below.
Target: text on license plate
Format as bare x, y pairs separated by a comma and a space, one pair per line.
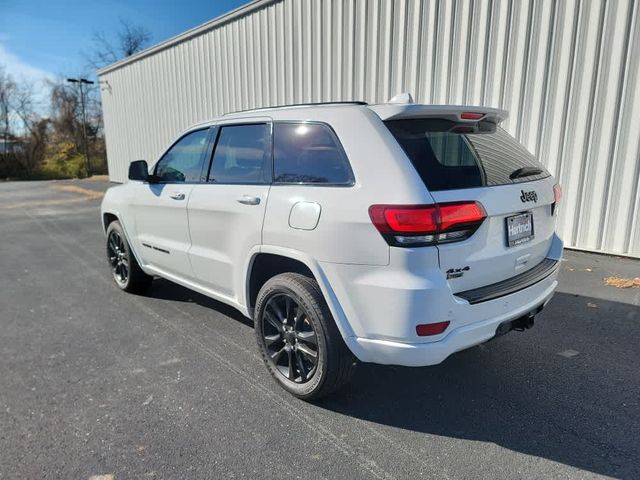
519, 229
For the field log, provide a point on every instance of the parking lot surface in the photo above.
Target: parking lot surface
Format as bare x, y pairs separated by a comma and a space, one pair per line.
94, 381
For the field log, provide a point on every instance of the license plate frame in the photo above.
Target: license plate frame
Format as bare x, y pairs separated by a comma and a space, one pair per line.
516, 229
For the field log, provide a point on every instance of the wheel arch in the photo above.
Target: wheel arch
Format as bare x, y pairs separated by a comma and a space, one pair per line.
107, 219
110, 216
266, 262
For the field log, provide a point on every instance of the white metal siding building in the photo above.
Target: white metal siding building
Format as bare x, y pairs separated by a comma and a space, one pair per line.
566, 70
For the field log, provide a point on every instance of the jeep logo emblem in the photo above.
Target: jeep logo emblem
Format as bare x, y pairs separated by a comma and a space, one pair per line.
531, 196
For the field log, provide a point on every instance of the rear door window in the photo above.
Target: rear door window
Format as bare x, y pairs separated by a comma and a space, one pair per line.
242, 155
309, 153
449, 155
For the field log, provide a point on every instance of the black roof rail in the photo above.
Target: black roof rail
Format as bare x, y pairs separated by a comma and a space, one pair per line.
355, 102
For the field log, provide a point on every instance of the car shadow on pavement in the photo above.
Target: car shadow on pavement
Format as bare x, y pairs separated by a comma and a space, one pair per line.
166, 290
567, 390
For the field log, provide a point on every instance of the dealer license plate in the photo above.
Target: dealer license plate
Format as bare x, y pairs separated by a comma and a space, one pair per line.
519, 229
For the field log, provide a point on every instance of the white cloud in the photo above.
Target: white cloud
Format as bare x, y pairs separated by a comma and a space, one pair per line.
21, 70
24, 72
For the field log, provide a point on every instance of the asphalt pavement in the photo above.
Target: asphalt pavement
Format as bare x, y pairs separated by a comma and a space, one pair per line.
98, 383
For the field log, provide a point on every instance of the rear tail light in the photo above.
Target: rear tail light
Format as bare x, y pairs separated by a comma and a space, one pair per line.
427, 329
557, 195
421, 225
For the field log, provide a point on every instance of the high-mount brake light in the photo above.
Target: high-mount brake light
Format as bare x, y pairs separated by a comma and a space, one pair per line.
471, 116
421, 225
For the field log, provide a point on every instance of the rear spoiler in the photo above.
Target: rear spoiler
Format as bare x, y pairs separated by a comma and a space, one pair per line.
455, 113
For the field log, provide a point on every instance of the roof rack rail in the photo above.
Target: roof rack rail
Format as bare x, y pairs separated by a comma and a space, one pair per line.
355, 102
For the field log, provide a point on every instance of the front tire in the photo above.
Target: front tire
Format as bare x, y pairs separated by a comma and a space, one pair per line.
125, 269
298, 338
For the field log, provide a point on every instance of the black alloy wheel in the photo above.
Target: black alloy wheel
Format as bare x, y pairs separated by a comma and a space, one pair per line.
122, 262
289, 338
118, 257
298, 338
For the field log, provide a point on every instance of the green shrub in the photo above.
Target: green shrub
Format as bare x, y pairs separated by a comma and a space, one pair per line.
62, 161
71, 167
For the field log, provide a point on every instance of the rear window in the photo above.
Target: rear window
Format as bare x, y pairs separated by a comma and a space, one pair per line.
450, 156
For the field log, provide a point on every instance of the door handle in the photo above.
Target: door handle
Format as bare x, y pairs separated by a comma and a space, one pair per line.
249, 200
177, 196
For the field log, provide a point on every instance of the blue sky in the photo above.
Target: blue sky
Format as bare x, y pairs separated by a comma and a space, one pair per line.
47, 38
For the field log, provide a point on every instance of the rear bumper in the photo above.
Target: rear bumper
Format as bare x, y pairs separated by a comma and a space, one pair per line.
383, 305
422, 354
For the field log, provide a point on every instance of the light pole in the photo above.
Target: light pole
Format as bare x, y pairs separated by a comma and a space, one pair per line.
81, 82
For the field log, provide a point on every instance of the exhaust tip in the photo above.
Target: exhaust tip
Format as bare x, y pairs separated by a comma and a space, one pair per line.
523, 323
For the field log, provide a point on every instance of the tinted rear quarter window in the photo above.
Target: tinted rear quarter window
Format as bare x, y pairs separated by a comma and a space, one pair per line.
309, 153
450, 156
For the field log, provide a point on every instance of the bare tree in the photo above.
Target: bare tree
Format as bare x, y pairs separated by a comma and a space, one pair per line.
68, 126
65, 103
38, 146
7, 93
33, 125
130, 39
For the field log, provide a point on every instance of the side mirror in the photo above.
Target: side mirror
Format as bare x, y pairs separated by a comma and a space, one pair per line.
139, 170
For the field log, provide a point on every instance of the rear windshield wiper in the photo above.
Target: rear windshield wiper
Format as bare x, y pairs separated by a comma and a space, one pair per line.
525, 172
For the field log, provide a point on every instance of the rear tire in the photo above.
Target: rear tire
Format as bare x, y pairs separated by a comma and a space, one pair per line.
298, 338
126, 272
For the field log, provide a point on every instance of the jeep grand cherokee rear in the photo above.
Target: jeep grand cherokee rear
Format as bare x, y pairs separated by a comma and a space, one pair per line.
478, 260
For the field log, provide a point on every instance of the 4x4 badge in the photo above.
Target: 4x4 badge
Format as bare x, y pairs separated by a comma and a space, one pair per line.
456, 272
531, 196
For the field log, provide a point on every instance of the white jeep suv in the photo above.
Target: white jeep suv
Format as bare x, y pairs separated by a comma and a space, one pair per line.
395, 234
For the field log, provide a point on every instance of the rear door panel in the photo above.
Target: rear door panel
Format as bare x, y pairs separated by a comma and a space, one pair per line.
223, 230
226, 214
